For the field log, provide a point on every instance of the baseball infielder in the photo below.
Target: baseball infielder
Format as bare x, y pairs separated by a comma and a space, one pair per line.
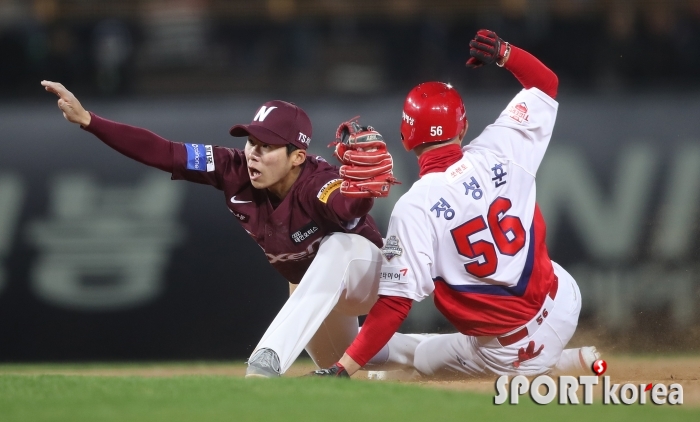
310, 221
470, 232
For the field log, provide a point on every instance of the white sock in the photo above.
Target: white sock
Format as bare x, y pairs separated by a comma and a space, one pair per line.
569, 362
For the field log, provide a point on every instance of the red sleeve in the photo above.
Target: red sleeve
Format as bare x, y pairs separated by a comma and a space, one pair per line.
139, 144
383, 321
531, 72
347, 209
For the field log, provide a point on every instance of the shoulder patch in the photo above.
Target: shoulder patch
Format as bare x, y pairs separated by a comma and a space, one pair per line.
392, 248
518, 112
328, 189
200, 157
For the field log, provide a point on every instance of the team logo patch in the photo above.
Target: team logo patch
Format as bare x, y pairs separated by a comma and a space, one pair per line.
304, 233
519, 113
200, 157
328, 189
392, 248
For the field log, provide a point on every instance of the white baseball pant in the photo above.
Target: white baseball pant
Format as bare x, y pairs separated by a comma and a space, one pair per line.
321, 312
453, 354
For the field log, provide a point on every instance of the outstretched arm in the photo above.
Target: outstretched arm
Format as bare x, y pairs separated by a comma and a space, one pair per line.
487, 48
383, 320
139, 144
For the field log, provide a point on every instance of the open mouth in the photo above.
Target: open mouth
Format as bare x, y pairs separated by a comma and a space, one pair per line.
254, 173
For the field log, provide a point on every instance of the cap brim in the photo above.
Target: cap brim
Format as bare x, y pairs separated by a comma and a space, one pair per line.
258, 132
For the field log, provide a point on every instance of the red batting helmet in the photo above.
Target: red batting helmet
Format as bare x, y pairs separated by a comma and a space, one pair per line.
432, 112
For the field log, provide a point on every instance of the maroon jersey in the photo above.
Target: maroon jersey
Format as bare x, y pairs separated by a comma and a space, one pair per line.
289, 233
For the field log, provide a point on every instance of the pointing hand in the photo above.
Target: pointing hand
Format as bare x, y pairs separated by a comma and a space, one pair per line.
69, 105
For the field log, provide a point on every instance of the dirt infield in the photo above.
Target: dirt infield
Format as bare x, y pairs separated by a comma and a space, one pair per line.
684, 370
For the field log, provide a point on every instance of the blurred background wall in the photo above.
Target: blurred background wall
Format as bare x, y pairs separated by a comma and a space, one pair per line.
101, 258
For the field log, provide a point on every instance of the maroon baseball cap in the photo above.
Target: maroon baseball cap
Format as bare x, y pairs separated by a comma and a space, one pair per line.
278, 123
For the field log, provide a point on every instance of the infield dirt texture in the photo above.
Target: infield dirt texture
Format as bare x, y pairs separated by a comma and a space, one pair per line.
218, 392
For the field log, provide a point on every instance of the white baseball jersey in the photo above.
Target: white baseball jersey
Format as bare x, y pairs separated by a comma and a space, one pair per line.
474, 234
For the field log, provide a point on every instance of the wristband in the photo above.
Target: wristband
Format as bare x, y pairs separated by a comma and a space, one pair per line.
502, 62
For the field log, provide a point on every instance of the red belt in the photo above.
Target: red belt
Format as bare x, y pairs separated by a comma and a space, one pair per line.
515, 337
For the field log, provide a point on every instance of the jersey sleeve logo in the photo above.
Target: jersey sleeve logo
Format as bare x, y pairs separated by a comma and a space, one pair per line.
328, 189
394, 274
392, 248
519, 113
200, 157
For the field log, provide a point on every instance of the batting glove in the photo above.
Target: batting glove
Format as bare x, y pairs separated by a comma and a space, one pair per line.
336, 371
486, 48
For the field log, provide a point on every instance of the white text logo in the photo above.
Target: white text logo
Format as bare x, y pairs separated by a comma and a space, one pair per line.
262, 113
304, 139
568, 387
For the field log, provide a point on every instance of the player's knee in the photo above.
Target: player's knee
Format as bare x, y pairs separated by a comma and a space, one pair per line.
338, 246
349, 246
421, 360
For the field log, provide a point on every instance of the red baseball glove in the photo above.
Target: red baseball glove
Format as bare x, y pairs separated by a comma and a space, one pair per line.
367, 165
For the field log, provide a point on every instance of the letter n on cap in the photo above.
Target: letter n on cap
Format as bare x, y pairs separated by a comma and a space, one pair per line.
262, 113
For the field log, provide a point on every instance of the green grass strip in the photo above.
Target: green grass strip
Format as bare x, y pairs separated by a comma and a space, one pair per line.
39, 398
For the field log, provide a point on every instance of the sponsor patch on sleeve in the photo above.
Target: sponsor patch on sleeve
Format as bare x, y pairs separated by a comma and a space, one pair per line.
200, 157
328, 189
394, 274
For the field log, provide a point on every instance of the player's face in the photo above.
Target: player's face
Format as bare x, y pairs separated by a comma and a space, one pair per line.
268, 165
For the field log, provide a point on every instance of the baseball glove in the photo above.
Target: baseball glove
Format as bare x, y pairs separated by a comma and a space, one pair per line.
367, 165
